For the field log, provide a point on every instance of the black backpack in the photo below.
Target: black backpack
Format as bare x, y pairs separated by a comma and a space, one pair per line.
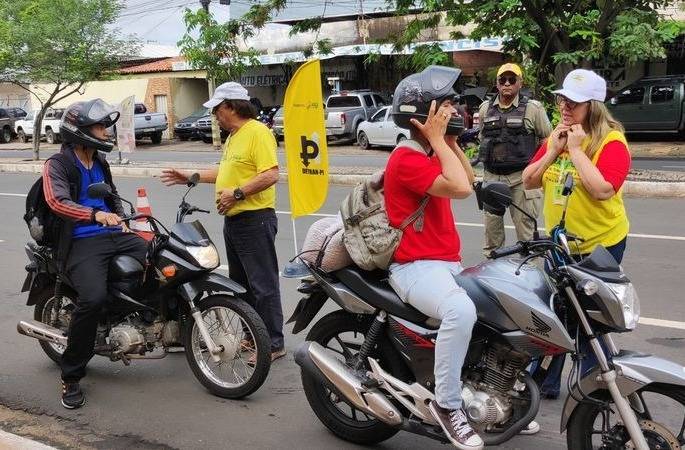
44, 225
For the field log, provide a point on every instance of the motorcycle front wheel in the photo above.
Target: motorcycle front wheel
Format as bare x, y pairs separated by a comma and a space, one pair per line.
661, 416
245, 359
343, 333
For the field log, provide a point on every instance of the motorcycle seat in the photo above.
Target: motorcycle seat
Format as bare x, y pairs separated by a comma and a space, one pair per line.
373, 288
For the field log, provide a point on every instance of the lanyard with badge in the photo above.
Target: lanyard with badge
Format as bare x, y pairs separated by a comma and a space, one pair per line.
565, 166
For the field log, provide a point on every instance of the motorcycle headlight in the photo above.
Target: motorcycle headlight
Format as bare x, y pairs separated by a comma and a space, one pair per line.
206, 257
630, 303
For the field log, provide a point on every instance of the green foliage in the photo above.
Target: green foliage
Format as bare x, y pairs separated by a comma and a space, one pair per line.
550, 36
424, 56
60, 44
213, 47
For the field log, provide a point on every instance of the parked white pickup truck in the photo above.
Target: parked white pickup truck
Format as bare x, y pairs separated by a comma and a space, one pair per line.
149, 124
345, 111
49, 128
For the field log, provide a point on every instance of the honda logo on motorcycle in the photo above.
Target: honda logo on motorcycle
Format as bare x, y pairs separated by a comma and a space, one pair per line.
540, 326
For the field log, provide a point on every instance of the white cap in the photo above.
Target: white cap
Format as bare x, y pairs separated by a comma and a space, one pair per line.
582, 85
227, 91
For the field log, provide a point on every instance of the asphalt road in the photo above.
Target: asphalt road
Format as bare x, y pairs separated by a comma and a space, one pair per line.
339, 156
159, 404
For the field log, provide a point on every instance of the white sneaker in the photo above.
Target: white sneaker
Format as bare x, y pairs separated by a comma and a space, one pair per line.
456, 427
531, 428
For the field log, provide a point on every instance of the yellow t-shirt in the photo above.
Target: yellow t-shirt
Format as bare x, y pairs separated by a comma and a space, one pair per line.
247, 152
599, 222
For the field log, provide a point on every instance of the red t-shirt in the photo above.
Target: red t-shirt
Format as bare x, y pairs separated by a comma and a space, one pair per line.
613, 163
408, 175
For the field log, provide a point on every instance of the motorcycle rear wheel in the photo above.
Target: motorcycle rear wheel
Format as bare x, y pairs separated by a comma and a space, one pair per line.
670, 435
333, 411
42, 312
231, 322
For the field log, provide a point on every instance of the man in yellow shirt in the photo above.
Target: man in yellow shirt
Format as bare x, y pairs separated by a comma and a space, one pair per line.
246, 196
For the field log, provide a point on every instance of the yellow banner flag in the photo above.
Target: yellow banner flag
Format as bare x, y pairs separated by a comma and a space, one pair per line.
305, 140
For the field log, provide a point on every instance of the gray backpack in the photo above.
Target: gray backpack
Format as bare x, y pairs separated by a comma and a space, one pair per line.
369, 238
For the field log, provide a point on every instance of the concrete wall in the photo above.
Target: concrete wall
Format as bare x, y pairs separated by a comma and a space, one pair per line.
14, 96
188, 96
276, 39
112, 91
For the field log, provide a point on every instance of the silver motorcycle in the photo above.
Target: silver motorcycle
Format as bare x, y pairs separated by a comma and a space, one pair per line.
367, 368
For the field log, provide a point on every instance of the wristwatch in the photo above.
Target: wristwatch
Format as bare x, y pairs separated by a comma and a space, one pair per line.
238, 194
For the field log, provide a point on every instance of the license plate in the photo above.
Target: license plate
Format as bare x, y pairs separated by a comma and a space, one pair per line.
329, 132
148, 130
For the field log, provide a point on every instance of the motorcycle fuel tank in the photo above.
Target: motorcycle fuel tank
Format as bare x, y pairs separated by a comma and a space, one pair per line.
514, 302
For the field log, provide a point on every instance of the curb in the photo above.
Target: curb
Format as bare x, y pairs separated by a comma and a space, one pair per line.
638, 189
13, 442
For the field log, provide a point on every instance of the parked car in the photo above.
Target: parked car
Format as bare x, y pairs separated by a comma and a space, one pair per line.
24, 128
7, 120
149, 124
204, 130
380, 130
345, 111
651, 105
186, 128
277, 126
17, 113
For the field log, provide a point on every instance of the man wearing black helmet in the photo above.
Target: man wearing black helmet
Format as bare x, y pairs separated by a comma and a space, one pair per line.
92, 232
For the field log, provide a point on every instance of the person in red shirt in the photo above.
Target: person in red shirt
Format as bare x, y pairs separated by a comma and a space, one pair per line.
422, 273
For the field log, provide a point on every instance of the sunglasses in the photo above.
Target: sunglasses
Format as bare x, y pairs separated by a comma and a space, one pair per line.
570, 104
512, 79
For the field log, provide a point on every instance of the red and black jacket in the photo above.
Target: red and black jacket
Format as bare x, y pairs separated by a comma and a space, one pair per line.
61, 186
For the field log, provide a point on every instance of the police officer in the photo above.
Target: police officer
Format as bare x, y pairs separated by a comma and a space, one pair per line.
512, 127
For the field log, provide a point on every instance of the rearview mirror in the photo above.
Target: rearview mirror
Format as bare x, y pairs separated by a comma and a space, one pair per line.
493, 197
193, 180
99, 190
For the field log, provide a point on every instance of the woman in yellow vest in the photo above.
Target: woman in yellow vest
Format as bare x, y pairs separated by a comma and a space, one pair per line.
588, 143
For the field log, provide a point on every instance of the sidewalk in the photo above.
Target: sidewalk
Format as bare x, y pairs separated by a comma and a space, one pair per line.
645, 184
10, 441
640, 147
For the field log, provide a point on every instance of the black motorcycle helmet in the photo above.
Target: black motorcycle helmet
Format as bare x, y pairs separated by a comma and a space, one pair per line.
414, 94
80, 116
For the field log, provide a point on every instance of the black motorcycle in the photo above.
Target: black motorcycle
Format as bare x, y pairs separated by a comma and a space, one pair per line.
175, 300
367, 368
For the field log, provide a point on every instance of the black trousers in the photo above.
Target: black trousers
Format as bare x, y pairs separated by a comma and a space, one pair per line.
88, 267
251, 250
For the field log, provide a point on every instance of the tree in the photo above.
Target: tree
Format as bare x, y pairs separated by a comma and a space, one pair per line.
52, 48
213, 47
549, 37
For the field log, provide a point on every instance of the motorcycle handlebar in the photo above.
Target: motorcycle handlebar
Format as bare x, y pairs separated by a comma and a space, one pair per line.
519, 247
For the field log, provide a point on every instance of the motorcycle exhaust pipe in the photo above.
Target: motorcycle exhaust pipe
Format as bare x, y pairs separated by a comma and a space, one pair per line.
316, 361
42, 332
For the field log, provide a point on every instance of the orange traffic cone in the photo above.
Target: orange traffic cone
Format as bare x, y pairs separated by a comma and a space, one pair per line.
142, 226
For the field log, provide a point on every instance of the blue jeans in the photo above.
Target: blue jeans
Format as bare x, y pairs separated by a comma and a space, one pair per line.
429, 286
552, 385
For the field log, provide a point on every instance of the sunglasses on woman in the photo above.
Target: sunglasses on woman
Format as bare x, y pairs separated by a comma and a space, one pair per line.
512, 79
570, 104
